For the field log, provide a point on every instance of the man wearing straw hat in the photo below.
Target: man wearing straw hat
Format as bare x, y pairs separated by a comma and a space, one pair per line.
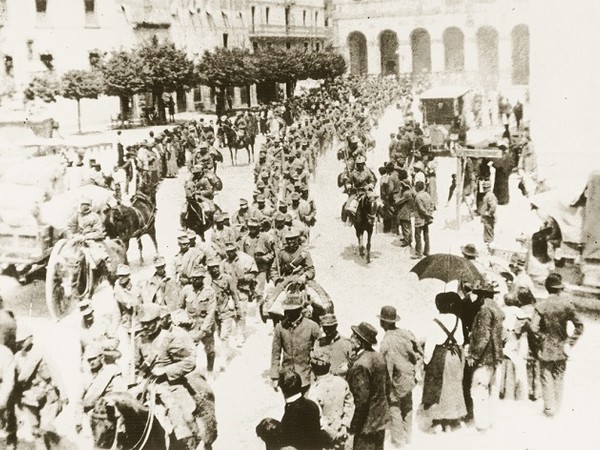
369, 383
401, 354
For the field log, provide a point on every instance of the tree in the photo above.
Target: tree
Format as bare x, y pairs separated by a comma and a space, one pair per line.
78, 84
326, 65
164, 68
227, 67
44, 87
121, 73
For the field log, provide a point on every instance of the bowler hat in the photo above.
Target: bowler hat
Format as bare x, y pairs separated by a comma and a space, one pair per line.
388, 314
469, 250
366, 332
328, 320
554, 281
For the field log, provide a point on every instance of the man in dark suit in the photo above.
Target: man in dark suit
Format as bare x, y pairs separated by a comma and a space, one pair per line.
369, 383
301, 421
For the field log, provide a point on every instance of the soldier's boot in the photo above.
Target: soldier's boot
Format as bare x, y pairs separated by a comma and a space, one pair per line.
210, 364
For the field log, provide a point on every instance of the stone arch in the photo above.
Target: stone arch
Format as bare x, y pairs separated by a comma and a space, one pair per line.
420, 44
487, 53
388, 50
520, 54
357, 45
454, 50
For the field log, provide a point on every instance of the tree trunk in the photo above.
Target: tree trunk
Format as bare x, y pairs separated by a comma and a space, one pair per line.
79, 115
124, 103
160, 105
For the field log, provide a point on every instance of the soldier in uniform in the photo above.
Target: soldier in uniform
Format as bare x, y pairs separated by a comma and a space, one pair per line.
168, 358
222, 233
187, 259
161, 288
228, 301
127, 295
309, 210
38, 398
86, 227
240, 218
105, 376
200, 302
242, 268
337, 348
361, 181
292, 263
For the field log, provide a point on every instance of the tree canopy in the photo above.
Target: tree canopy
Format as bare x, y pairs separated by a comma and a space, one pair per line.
44, 87
164, 68
78, 84
228, 67
121, 72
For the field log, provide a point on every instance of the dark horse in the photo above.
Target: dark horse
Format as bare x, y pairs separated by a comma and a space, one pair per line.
238, 139
364, 221
196, 218
139, 430
127, 222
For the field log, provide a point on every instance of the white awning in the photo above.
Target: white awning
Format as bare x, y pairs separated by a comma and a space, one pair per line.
444, 92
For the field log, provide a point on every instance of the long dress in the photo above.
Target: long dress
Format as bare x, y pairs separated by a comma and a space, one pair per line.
443, 397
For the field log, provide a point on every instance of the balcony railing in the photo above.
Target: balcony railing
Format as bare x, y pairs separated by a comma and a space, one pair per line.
287, 31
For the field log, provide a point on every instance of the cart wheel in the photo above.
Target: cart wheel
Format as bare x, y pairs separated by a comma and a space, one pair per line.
54, 294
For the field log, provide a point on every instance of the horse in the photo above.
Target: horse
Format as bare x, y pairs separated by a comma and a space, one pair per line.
71, 275
196, 217
127, 222
363, 221
119, 421
241, 140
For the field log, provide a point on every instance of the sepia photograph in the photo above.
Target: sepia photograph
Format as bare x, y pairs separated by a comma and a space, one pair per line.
299, 224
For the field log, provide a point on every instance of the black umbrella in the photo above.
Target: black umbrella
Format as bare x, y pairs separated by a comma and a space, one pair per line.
447, 267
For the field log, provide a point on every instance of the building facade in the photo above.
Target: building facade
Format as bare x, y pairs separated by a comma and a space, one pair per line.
288, 24
477, 42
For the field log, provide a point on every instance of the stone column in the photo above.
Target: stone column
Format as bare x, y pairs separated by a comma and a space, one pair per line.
471, 57
437, 56
373, 57
505, 60
405, 56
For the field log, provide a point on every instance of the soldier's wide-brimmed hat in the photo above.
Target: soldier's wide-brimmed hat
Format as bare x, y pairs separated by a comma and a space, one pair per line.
198, 272
320, 358
191, 234
123, 270
159, 261
197, 168
260, 198
148, 313
92, 351
278, 217
469, 250
291, 301
360, 159
180, 317
203, 144
418, 166
328, 320
353, 140
243, 202
213, 262
485, 288
295, 196
85, 201
252, 222
292, 233
366, 332
388, 314
218, 217
518, 260
230, 246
